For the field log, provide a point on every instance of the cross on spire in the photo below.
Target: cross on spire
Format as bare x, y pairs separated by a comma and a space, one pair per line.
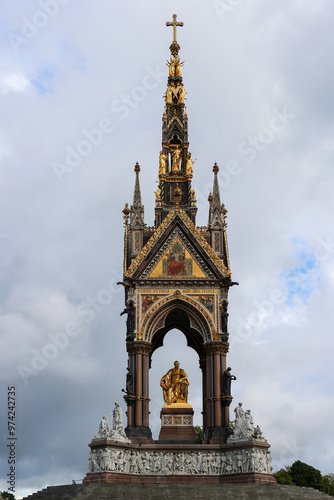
174, 24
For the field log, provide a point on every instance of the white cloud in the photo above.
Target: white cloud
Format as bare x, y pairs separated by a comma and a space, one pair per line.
13, 82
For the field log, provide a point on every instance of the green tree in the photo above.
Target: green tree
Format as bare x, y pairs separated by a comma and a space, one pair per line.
199, 432
282, 476
305, 475
327, 484
6, 496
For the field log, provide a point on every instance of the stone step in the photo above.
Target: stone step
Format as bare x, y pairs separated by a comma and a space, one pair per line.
177, 491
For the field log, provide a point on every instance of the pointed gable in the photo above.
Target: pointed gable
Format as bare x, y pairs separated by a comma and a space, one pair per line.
177, 250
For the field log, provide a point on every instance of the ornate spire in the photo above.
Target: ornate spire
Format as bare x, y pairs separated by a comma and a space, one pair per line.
137, 208
137, 194
175, 162
216, 210
215, 192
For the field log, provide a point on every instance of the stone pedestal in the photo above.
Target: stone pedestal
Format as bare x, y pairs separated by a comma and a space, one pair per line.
243, 462
177, 424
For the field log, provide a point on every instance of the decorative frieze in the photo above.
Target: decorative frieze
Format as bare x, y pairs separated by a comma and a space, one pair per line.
153, 462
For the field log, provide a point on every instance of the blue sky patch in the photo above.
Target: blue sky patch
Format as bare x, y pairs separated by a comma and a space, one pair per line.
303, 278
44, 81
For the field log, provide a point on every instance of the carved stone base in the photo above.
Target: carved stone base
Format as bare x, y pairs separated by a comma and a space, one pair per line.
112, 462
177, 425
139, 434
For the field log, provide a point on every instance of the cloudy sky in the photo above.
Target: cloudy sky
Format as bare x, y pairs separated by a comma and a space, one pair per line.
81, 88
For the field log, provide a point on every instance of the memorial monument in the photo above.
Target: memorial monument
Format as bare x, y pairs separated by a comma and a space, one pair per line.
177, 275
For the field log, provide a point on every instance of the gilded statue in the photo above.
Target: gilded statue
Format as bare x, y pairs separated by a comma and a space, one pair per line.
175, 385
182, 94
171, 65
162, 163
176, 158
169, 95
175, 66
178, 65
158, 194
189, 164
192, 194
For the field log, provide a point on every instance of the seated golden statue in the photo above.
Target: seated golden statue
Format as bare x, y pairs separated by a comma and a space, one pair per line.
175, 385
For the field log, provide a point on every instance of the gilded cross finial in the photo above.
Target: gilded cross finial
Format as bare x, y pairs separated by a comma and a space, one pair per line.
174, 23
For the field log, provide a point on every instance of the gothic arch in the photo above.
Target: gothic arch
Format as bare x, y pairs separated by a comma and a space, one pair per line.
183, 313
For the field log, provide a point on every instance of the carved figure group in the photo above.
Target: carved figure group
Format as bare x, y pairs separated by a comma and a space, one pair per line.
181, 463
104, 429
117, 433
244, 426
176, 93
175, 385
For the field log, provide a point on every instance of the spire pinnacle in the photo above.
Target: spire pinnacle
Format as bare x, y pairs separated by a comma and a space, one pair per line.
216, 210
137, 194
137, 208
175, 47
215, 190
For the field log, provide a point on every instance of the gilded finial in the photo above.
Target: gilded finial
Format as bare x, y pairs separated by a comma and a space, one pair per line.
137, 168
126, 212
174, 23
215, 168
175, 47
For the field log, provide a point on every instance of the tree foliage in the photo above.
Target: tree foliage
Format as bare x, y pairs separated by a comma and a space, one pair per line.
283, 476
199, 432
327, 484
301, 474
305, 475
6, 496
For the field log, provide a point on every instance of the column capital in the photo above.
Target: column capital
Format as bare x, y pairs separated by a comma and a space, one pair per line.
139, 347
216, 347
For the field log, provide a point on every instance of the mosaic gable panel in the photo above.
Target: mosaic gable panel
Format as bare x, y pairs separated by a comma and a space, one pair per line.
177, 259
